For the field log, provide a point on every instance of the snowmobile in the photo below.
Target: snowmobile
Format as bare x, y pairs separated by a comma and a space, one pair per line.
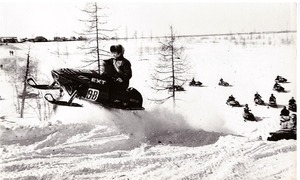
283, 134
223, 83
176, 87
288, 129
195, 83
259, 101
233, 103
249, 117
272, 103
278, 88
292, 107
280, 79
91, 86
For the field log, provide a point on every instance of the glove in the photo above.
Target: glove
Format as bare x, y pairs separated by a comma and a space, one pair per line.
119, 80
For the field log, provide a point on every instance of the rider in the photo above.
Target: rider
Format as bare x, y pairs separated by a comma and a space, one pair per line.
246, 109
231, 98
294, 121
193, 81
272, 98
276, 85
118, 69
284, 112
257, 96
292, 101
221, 81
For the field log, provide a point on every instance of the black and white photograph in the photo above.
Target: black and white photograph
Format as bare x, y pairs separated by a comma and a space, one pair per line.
154, 90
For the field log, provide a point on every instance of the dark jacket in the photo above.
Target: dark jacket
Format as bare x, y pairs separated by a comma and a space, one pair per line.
284, 112
247, 110
118, 68
292, 101
272, 98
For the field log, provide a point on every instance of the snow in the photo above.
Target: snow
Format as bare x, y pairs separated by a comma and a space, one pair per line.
202, 138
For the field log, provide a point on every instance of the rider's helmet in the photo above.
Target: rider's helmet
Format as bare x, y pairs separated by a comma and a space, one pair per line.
117, 48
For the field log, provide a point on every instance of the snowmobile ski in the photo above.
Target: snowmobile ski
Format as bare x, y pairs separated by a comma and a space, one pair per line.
33, 84
51, 99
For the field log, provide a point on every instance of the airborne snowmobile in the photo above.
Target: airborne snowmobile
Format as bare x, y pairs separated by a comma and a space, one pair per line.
91, 86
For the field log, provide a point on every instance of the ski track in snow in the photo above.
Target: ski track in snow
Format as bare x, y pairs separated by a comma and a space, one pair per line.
121, 145
96, 143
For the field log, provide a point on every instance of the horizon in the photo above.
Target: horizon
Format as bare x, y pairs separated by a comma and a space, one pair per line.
178, 36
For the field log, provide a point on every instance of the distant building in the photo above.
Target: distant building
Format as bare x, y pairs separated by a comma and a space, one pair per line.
56, 38
23, 40
64, 39
81, 38
8, 39
72, 38
40, 39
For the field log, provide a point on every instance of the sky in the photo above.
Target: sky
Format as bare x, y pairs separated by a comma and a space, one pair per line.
51, 19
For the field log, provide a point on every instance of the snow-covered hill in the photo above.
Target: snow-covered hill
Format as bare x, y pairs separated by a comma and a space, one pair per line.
202, 138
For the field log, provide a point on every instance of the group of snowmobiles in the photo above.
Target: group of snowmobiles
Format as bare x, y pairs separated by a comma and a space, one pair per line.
199, 84
277, 87
287, 122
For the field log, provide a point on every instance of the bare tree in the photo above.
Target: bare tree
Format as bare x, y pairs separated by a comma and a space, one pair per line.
95, 32
25, 84
172, 68
19, 69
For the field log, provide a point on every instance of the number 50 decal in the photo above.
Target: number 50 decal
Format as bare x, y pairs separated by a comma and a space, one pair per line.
92, 94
